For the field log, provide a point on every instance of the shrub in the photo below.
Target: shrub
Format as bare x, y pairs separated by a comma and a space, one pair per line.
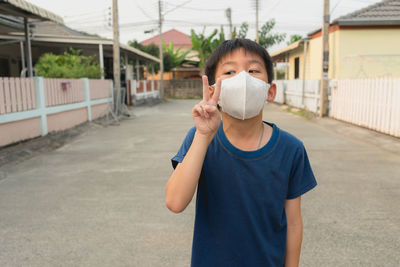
68, 65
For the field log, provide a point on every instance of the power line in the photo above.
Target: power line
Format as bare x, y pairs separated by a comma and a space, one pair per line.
94, 20
199, 9
85, 14
142, 10
335, 6
176, 7
140, 23
275, 5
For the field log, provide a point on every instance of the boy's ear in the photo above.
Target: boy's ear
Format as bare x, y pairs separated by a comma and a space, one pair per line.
271, 93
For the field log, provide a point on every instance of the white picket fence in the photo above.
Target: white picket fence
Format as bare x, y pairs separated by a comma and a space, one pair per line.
290, 92
142, 90
372, 103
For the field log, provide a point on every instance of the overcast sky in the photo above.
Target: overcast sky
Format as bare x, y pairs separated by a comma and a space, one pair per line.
137, 16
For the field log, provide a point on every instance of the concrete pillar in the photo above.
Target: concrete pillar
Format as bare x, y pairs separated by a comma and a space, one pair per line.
86, 90
101, 59
41, 104
137, 70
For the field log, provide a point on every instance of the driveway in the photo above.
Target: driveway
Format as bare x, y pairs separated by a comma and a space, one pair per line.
99, 199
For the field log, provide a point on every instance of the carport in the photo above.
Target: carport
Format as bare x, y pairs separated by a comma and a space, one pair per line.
27, 12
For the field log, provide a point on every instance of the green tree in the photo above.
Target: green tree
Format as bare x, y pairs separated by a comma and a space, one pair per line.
244, 27
268, 39
204, 45
68, 65
294, 38
176, 57
150, 49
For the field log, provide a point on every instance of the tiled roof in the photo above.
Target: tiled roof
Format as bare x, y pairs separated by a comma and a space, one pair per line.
176, 37
26, 9
52, 28
384, 13
386, 9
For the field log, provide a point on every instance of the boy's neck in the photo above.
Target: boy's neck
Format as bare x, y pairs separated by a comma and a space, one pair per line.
241, 128
245, 134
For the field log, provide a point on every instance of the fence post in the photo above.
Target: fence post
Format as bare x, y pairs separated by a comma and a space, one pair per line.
86, 89
41, 104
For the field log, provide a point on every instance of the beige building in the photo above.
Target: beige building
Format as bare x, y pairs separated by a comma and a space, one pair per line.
362, 44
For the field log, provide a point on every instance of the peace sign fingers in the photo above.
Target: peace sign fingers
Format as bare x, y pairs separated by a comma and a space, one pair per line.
206, 93
217, 91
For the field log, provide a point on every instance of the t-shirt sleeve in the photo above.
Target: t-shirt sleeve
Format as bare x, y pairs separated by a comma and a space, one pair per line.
184, 148
302, 178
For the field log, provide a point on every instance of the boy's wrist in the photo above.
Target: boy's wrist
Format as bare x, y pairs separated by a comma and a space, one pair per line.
204, 138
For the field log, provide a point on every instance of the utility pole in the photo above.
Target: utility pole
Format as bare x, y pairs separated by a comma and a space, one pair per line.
323, 96
229, 16
160, 19
257, 6
116, 55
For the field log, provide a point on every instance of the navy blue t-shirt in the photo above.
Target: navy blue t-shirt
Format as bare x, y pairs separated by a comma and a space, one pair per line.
240, 217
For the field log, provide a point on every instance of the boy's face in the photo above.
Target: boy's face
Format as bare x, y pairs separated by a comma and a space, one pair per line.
242, 60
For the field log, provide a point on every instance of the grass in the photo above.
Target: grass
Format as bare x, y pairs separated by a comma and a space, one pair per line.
301, 112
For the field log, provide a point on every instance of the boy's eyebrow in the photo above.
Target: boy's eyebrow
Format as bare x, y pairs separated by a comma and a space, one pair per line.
255, 61
228, 63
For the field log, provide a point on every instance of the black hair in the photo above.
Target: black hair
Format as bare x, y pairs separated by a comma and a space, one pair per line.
229, 46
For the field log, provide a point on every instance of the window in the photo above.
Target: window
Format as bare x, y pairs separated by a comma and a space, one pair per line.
296, 67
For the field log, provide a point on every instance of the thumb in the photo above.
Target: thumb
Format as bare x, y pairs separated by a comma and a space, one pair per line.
210, 108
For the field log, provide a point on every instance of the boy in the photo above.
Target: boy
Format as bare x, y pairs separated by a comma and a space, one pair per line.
249, 174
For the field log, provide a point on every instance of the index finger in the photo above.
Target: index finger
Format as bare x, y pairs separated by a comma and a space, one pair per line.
206, 93
217, 90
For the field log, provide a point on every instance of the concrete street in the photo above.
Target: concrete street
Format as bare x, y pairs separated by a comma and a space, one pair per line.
99, 199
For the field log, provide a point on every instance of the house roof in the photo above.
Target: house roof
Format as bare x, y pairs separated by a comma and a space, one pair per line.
288, 48
176, 37
52, 32
384, 13
51, 28
21, 8
384, 10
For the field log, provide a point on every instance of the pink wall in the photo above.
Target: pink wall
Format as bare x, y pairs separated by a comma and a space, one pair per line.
99, 111
99, 88
16, 94
57, 95
67, 119
13, 132
30, 128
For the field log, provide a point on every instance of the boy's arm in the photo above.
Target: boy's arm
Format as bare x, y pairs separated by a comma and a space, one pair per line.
294, 232
183, 181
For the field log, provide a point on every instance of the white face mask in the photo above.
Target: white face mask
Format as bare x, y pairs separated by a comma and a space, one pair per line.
243, 96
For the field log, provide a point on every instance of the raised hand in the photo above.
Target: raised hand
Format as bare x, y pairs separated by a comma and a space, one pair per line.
205, 114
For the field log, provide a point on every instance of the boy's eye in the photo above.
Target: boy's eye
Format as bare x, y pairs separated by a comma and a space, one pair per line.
254, 71
229, 72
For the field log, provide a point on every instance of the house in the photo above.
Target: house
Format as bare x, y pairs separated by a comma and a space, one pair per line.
48, 34
362, 44
180, 41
